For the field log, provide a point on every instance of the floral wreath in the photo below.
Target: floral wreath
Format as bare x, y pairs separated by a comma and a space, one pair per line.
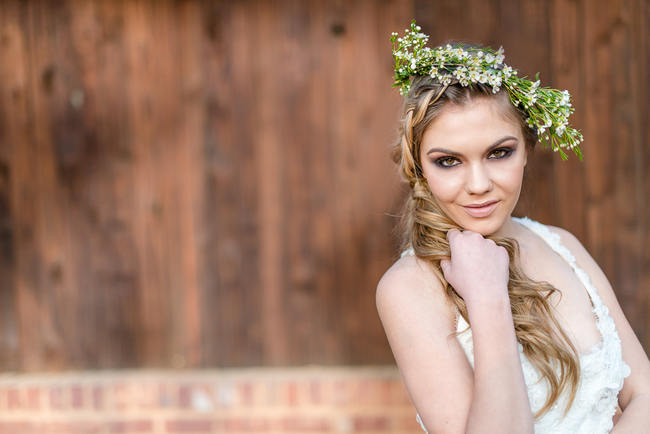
548, 109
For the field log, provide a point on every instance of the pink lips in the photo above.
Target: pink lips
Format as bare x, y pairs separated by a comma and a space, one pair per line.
481, 211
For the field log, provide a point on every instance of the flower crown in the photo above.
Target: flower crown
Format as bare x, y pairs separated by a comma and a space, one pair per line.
548, 109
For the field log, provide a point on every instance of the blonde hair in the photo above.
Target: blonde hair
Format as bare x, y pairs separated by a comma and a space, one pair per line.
424, 226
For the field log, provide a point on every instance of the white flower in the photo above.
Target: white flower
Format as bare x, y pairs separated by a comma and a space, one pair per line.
493, 80
460, 72
500, 57
565, 98
489, 58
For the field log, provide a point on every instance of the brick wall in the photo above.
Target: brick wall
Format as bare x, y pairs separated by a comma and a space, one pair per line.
288, 400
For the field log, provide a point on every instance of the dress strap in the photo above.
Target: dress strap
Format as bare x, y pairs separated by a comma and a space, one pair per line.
554, 241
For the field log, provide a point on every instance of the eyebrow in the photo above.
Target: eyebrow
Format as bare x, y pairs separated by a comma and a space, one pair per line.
494, 145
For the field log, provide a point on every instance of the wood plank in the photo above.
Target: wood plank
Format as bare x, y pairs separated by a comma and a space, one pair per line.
567, 67
201, 184
13, 120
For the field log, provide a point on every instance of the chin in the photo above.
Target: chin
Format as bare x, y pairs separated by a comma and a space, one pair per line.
482, 229
484, 226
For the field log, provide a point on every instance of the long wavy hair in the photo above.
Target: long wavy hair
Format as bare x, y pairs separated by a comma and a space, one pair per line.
424, 225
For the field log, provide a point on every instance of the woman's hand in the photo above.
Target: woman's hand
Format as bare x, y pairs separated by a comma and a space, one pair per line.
478, 269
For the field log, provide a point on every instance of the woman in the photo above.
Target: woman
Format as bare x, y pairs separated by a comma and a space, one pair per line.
549, 349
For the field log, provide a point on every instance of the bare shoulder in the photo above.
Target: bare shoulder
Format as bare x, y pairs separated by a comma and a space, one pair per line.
585, 261
418, 321
569, 240
633, 353
412, 272
410, 287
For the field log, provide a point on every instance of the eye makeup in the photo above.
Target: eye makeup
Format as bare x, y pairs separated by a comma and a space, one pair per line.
503, 152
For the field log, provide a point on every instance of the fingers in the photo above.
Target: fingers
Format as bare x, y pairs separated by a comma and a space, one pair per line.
444, 264
452, 233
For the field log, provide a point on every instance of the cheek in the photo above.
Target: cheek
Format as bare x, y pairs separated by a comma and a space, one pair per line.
510, 179
445, 187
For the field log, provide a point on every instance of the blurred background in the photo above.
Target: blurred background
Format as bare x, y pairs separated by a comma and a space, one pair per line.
197, 200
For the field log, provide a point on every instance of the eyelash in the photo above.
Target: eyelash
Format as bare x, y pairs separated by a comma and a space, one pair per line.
439, 161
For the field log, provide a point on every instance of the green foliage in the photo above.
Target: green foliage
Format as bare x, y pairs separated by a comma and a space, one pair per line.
548, 109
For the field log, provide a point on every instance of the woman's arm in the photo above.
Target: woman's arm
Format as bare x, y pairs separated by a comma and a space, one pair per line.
478, 271
634, 398
500, 396
419, 324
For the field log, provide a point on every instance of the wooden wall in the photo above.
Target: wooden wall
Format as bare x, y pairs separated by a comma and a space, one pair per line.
201, 184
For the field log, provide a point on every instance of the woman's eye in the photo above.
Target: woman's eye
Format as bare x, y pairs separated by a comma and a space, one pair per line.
445, 162
501, 152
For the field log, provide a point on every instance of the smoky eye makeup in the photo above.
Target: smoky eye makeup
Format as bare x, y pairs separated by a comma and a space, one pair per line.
445, 162
503, 152
449, 161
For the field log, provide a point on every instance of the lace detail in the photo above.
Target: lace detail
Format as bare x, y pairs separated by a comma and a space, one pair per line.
603, 370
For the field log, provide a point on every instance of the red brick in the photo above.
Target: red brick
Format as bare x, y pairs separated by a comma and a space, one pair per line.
304, 424
370, 423
246, 393
98, 397
224, 395
238, 424
399, 394
147, 396
57, 398
33, 398
166, 396
130, 426
71, 427
385, 392
408, 423
185, 396
273, 393
340, 393
121, 396
315, 392
292, 394
13, 399
189, 425
76, 397
19, 427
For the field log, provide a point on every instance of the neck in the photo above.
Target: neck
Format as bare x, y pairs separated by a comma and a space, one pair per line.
508, 230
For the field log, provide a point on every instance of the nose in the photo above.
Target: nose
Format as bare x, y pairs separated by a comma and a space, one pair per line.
479, 180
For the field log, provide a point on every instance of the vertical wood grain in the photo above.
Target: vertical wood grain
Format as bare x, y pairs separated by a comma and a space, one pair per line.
204, 184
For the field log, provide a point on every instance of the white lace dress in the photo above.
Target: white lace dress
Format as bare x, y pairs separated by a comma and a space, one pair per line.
602, 368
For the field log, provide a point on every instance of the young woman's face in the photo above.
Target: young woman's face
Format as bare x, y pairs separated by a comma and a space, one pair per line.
473, 155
